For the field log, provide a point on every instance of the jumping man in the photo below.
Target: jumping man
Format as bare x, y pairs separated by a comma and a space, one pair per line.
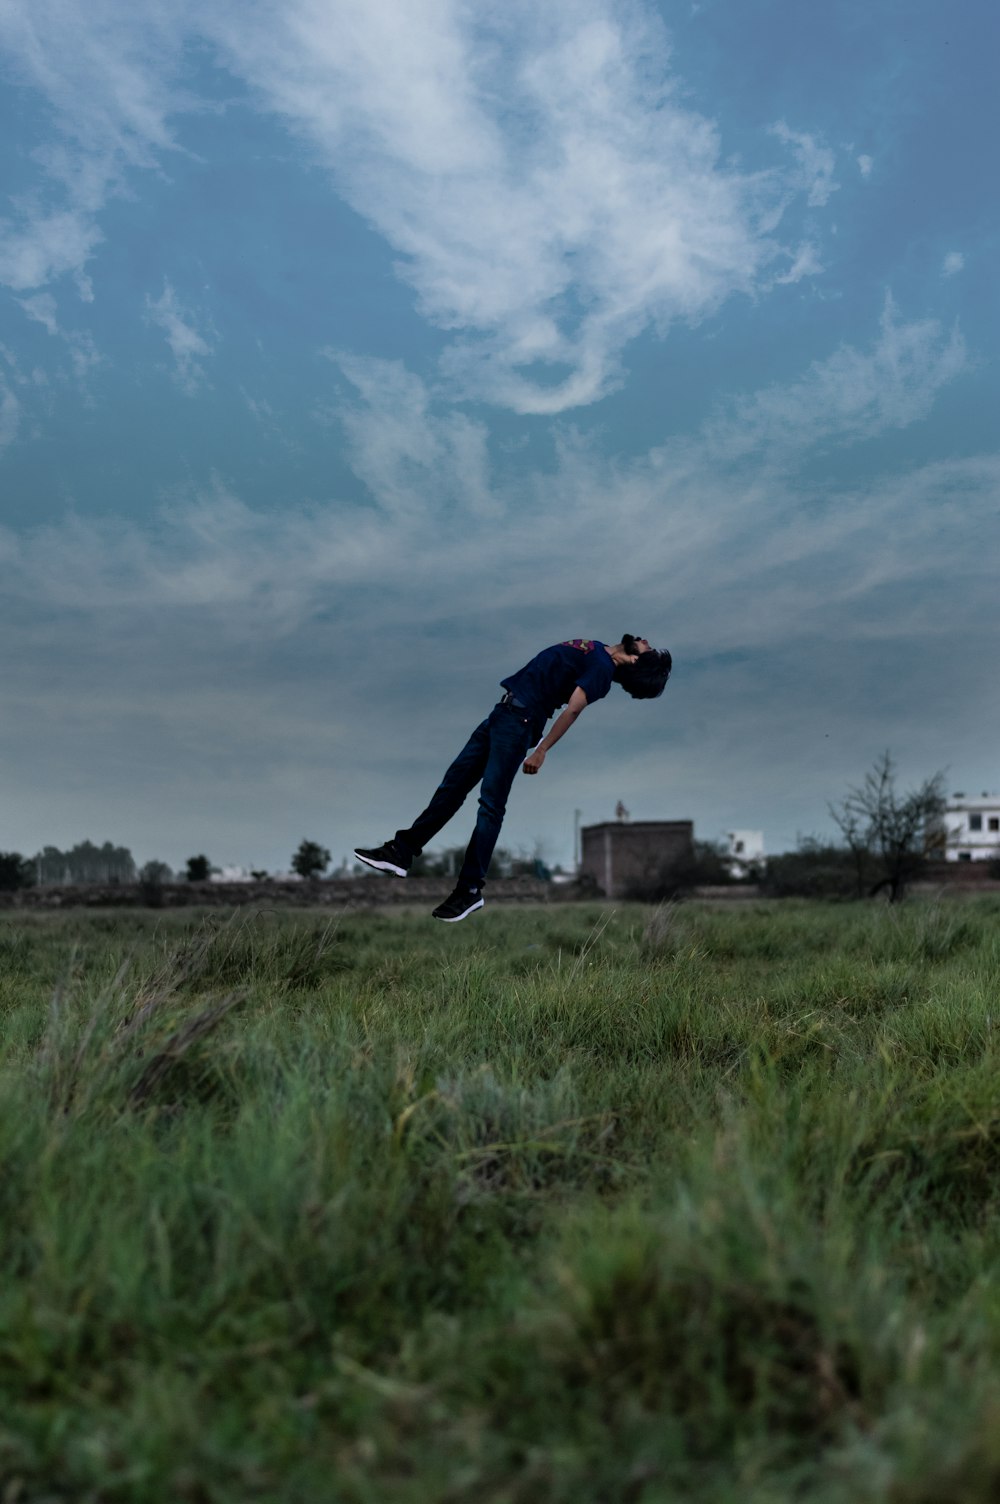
574, 674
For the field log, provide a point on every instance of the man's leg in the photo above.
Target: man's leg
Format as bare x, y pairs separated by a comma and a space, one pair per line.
510, 739
463, 775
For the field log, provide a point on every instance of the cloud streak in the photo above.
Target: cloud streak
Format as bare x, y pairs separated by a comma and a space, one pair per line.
188, 347
851, 395
548, 190
10, 415
436, 526
222, 636
107, 75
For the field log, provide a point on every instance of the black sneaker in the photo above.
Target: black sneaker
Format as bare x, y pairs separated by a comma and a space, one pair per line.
388, 858
459, 905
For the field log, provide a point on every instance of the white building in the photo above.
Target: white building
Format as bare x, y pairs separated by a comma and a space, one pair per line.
972, 828
745, 847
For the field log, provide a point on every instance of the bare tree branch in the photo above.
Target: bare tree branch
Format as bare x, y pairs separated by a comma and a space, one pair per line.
876, 820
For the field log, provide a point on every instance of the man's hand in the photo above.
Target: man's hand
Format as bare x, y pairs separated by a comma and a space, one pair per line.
534, 760
577, 705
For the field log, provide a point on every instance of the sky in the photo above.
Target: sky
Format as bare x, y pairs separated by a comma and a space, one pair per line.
352, 352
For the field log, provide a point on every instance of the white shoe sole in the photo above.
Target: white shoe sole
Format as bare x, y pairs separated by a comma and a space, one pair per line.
381, 866
454, 918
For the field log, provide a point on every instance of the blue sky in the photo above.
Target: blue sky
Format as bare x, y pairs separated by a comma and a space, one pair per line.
351, 352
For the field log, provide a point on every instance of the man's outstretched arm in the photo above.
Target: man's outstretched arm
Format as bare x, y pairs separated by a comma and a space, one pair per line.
575, 708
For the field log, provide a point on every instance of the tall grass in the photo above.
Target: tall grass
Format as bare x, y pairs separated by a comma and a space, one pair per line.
560, 1204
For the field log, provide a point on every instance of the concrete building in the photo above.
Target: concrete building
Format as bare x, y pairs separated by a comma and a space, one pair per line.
620, 856
972, 828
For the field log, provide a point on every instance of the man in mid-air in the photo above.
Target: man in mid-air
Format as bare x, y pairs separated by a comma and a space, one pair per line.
573, 673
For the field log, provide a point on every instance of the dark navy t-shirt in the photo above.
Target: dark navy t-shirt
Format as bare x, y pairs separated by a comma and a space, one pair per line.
552, 675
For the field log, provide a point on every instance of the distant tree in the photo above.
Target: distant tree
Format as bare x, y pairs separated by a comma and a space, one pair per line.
152, 876
712, 867
86, 863
198, 869
311, 859
50, 865
15, 871
892, 826
259, 874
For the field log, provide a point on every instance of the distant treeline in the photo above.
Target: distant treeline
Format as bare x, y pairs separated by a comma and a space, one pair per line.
83, 863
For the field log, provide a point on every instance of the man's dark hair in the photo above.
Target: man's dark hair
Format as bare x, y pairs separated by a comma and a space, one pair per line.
645, 679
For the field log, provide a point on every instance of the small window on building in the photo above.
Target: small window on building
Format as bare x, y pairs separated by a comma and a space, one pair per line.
965, 856
994, 822
975, 822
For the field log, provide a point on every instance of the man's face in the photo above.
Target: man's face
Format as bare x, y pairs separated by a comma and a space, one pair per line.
635, 645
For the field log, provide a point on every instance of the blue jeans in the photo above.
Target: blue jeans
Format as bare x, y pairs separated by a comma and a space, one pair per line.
493, 754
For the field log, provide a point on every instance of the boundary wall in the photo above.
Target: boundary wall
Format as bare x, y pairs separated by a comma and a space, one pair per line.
346, 892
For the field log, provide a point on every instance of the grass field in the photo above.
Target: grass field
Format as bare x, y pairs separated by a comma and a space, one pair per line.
560, 1204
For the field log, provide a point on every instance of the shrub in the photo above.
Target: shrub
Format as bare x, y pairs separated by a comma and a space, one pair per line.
15, 871
815, 870
706, 865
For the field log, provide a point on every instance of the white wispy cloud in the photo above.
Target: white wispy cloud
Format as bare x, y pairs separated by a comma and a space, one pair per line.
853, 394
10, 415
703, 536
953, 263
42, 308
816, 163
865, 164
107, 72
120, 634
39, 244
188, 347
550, 193
83, 353
706, 519
394, 453
312, 666
806, 263
548, 188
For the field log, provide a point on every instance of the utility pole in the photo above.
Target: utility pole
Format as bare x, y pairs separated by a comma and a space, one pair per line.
576, 840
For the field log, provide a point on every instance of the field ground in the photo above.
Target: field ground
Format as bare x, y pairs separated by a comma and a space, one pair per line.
561, 1204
